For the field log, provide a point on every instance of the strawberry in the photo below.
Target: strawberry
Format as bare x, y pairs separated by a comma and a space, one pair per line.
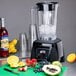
34, 60
31, 62
20, 69
23, 69
27, 60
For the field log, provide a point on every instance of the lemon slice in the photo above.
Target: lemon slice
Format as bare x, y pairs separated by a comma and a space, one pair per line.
13, 65
12, 59
20, 64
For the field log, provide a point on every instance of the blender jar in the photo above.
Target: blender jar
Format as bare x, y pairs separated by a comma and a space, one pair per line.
46, 20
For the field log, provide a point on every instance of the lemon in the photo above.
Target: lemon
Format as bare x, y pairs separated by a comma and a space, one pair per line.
20, 64
12, 59
14, 65
71, 57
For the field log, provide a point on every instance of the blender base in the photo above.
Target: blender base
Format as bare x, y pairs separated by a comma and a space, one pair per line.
51, 50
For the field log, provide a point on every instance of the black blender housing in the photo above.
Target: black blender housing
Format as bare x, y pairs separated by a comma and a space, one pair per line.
48, 50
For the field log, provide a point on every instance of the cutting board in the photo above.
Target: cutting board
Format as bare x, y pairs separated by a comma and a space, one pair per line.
29, 72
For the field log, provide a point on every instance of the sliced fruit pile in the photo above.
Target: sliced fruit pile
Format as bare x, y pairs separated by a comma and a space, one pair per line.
20, 64
31, 62
13, 61
12, 46
52, 69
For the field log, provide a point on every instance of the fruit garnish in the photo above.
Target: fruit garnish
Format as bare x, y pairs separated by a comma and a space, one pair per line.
20, 69
31, 62
34, 60
12, 46
21, 64
14, 41
27, 60
71, 57
23, 68
57, 63
52, 70
14, 65
12, 59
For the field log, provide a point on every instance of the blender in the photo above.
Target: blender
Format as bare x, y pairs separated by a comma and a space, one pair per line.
46, 45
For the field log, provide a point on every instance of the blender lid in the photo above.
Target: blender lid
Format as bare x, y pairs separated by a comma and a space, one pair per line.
51, 5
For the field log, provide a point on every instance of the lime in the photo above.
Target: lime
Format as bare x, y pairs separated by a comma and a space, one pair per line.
57, 63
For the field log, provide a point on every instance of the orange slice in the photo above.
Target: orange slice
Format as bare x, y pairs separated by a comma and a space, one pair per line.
71, 57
